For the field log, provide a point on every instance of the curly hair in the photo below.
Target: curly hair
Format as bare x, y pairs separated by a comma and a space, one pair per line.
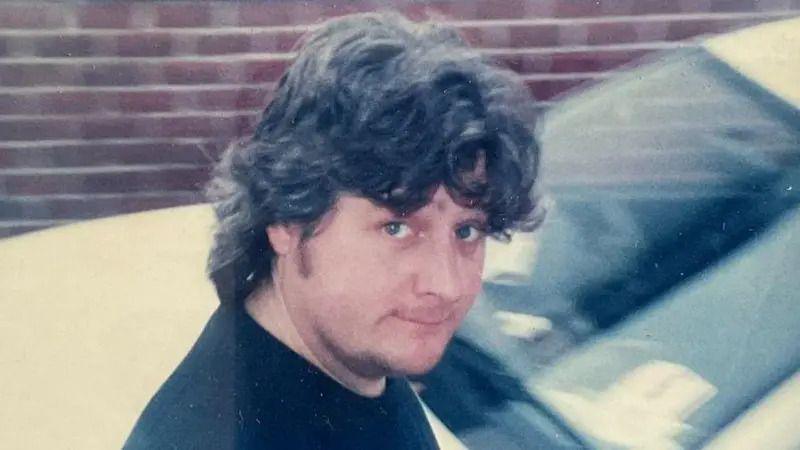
378, 106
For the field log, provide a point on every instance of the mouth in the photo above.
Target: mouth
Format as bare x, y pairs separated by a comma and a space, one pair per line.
426, 317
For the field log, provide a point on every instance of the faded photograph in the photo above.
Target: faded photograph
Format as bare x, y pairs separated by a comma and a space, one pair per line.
400, 225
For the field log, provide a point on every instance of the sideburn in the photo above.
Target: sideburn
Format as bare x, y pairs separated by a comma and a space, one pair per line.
304, 262
308, 231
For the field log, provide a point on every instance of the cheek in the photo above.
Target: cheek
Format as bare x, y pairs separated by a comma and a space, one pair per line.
351, 280
360, 261
352, 273
474, 272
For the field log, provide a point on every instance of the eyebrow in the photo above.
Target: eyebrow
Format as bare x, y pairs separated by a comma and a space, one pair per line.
481, 219
475, 215
383, 212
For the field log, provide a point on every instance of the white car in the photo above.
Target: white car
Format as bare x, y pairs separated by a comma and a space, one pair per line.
657, 308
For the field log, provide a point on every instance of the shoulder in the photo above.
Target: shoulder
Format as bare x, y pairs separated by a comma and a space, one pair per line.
232, 390
196, 403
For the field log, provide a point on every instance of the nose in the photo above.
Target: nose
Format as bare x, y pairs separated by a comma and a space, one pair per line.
439, 273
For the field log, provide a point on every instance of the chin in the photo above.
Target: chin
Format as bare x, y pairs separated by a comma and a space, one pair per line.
419, 368
419, 362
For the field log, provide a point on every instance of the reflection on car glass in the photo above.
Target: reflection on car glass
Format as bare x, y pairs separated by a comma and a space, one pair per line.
646, 408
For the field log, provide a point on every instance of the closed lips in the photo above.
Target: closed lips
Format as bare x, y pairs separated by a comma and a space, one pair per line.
425, 317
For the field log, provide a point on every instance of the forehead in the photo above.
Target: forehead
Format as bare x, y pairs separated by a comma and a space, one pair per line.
441, 203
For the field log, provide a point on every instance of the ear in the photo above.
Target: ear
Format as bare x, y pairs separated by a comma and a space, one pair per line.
284, 238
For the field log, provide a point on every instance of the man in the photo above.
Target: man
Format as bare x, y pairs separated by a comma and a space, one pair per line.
350, 242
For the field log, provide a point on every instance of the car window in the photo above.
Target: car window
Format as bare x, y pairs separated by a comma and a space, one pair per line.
653, 177
730, 332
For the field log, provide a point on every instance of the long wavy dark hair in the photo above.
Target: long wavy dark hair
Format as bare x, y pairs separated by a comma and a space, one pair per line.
381, 107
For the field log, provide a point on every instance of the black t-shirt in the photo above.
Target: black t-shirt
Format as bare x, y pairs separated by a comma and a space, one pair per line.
241, 388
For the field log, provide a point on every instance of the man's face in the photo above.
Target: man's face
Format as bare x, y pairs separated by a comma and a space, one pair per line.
382, 294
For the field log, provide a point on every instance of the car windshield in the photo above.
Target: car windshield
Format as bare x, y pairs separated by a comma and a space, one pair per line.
666, 259
689, 365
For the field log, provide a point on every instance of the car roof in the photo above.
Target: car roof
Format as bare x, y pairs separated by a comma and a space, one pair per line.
769, 54
95, 316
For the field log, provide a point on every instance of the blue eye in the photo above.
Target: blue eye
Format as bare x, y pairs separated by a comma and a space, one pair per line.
397, 229
468, 233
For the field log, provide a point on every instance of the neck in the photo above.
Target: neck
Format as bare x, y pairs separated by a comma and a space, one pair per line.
267, 307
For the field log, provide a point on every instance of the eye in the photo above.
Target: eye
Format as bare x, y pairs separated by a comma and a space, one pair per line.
397, 229
468, 233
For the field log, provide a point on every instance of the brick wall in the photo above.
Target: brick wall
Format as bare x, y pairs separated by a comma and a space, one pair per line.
117, 107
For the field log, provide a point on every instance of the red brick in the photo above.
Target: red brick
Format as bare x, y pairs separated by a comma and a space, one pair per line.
296, 13
680, 30
579, 8
145, 44
89, 208
33, 15
116, 74
224, 14
263, 14
219, 44
199, 72
237, 126
571, 8
90, 153
112, 182
489, 37
543, 8
664, 7
525, 63
593, 61
338, 9
11, 209
133, 101
19, 104
200, 125
48, 74
534, 36
781, 4
548, 89
183, 14
611, 33
651, 31
108, 15
309, 13
64, 46
474, 36
245, 98
138, 101
441, 10
69, 103
204, 126
618, 7
115, 127
184, 127
273, 42
734, 5
507, 9
268, 70
37, 129
422, 12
